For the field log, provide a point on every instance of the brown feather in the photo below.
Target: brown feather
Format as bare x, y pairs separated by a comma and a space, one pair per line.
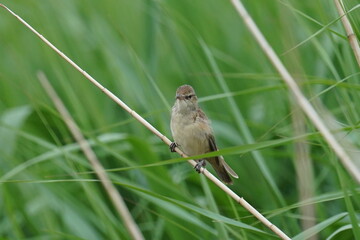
217, 162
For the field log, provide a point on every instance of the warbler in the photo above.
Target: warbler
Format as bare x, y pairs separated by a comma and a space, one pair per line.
192, 133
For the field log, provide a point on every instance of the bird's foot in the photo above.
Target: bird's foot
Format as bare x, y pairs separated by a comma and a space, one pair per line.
201, 163
173, 145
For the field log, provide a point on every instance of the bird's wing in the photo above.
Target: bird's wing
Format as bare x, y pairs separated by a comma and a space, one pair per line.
220, 159
212, 143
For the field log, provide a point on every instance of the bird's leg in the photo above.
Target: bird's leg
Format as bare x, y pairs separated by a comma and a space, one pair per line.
200, 163
173, 145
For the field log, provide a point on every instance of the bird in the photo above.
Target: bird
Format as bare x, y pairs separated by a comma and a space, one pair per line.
192, 133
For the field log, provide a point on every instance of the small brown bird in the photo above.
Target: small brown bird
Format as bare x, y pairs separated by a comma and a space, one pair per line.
193, 134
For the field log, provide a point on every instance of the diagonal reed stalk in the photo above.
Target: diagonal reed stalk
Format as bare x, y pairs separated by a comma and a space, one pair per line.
298, 95
354, 43
211, 177
114, 195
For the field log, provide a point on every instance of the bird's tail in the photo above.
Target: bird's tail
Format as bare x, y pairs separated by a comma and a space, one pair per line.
222, 169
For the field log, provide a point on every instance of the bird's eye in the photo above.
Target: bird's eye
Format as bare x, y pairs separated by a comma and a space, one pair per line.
188, 97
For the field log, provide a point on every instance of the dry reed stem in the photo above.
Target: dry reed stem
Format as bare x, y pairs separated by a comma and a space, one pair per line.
298, 95
211, 177
114, 195
304, 173
349, 30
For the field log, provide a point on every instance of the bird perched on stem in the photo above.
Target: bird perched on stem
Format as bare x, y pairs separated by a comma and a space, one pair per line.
193, 134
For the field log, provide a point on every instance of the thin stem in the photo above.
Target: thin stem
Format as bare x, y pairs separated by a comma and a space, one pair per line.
298, 95
114, 195
349, 30
211, 177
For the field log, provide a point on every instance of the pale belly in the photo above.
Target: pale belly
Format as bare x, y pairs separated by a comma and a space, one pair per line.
191, 139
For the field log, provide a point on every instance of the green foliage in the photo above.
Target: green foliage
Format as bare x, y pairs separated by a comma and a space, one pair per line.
142, 51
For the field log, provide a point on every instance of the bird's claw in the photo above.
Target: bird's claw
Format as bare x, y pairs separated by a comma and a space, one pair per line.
201, 163
173, 145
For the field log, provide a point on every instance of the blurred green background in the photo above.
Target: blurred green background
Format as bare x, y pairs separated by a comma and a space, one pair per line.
142, 51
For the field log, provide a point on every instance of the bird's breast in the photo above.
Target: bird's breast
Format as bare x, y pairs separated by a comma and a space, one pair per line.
189, 134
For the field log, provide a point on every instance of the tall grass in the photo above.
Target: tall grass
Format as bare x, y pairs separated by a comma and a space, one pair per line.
142, 51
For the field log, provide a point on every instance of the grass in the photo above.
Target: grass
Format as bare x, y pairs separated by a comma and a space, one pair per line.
142, 51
